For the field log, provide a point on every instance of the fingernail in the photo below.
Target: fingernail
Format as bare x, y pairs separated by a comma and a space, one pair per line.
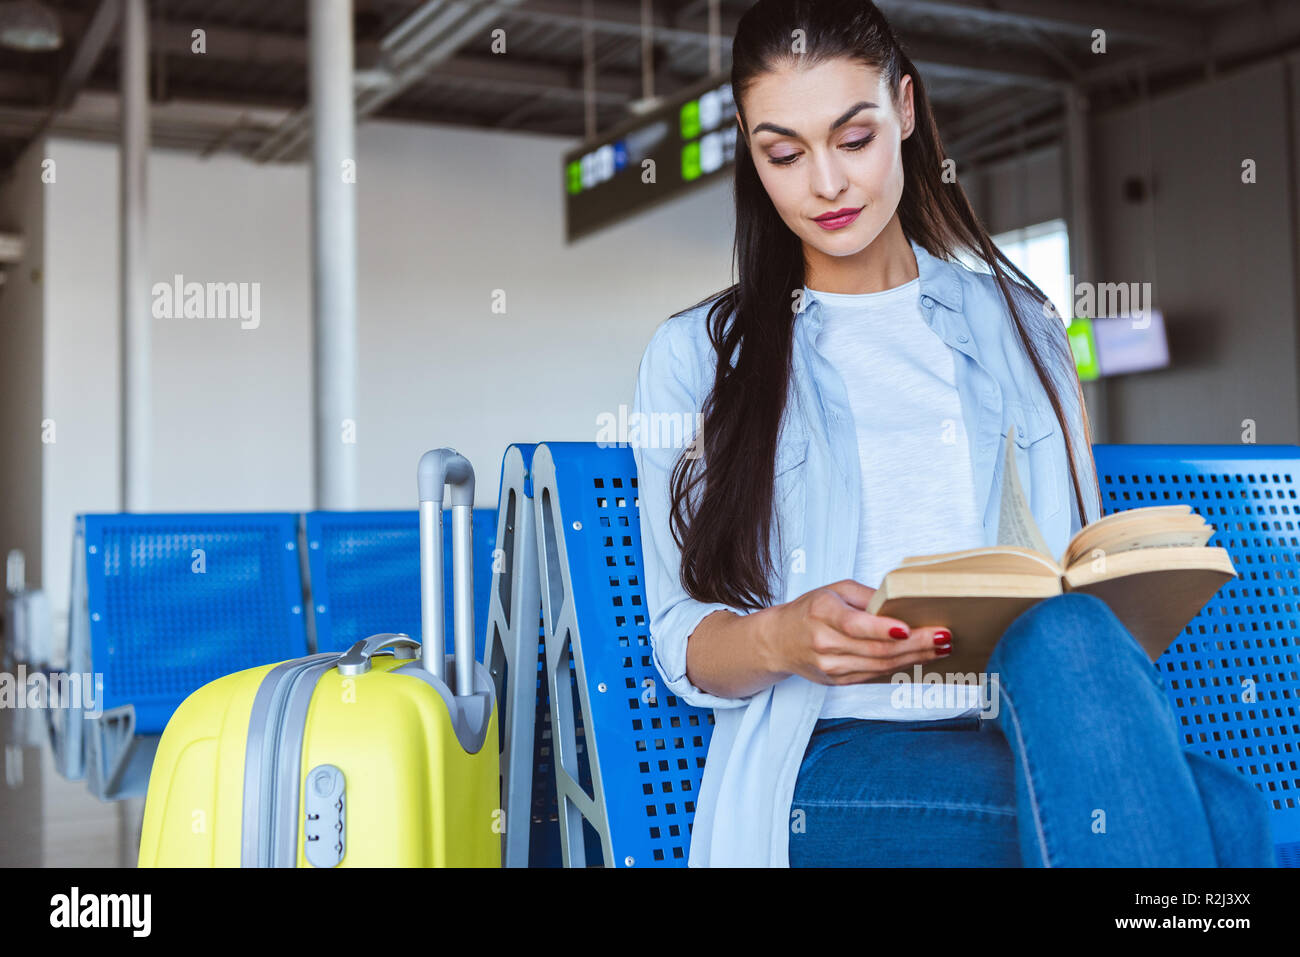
945, 650
942, 637
897, 632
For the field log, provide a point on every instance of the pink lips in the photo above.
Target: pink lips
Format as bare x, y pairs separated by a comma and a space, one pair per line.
837, 219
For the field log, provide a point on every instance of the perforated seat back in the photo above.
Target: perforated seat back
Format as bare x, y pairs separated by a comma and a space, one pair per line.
174, 601
645, 748
1233, 676
365, 574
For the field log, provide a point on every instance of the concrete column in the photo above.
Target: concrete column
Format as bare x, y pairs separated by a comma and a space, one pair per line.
136, 309
334, 252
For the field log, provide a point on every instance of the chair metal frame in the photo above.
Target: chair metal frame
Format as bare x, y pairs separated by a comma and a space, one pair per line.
637, 741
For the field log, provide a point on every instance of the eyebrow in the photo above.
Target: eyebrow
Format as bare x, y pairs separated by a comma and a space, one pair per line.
848, 115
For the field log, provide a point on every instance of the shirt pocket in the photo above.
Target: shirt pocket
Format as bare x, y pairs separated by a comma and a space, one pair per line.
1039, 458
790, 498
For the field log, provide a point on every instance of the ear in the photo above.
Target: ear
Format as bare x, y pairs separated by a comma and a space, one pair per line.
908, 109
741, 124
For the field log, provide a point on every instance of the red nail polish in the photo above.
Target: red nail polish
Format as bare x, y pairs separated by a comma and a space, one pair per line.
945, 650
897, 632
942, 637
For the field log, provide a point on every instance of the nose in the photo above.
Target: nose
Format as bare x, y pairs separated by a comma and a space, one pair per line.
829, 179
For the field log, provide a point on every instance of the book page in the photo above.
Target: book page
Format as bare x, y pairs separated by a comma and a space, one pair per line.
1135, 525
1121, 541
1016, 525
992, 560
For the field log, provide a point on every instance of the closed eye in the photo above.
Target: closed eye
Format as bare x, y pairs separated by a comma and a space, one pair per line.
852, 146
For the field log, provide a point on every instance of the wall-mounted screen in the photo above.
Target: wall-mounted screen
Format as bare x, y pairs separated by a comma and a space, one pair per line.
647, 160
1120, 344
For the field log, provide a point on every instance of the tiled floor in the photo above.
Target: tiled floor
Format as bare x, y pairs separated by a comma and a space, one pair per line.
51, 822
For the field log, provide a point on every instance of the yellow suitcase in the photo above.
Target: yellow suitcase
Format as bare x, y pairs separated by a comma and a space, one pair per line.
372, 757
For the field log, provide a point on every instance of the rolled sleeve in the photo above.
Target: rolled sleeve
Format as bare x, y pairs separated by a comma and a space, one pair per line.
664, 410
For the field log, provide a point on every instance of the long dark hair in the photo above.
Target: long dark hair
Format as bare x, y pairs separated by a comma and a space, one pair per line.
724, 534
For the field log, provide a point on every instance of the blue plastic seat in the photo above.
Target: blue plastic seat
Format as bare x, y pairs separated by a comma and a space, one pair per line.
1246, 642
364, 575
164, 603
161, 605
646, 748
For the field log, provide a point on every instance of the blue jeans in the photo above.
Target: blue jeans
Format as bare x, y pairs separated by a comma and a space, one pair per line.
1083, 765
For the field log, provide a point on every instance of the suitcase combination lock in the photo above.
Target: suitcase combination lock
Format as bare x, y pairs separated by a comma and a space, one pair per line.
324, 807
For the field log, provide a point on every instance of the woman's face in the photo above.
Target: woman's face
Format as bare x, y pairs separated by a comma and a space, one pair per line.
828, 138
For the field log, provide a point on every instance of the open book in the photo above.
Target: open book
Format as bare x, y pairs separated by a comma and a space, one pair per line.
1150, 565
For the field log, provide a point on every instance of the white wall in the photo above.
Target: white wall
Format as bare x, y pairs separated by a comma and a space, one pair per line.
1221, 254
445, 217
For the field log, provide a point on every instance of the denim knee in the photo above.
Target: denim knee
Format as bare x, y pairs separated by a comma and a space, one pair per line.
1239, 814
1069, 635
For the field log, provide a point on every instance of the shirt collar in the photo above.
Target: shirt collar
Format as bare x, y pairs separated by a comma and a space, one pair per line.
939, 281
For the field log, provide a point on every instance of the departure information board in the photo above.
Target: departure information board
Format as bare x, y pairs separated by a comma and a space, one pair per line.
650, 159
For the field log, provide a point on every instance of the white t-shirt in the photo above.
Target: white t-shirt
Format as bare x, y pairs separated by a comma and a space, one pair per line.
918, 494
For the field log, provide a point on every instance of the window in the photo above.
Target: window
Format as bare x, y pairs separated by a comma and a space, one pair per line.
1042, 253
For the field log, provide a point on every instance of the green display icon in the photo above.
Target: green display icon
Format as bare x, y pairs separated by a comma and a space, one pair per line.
690, 119
1084, 346
691, 161
574, 175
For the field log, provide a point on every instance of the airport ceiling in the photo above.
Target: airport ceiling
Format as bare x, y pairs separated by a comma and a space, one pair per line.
995, 69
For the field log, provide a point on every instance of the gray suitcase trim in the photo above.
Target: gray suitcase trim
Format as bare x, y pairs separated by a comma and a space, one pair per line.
284, 826
265, 724
469, 713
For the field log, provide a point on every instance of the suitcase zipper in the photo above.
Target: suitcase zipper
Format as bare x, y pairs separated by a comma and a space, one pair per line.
262, 760
284, 811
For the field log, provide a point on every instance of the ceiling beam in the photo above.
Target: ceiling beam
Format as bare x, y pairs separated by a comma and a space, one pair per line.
994, 111
620, 19
1236, 34
430, 35
97, 33
25, 88
951, 58
1067, 16
512, 73
236, 44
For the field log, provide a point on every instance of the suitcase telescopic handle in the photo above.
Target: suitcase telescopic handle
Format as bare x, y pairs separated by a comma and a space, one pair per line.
438, 468
356, 660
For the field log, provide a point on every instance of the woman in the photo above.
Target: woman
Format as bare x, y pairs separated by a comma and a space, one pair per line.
858, 418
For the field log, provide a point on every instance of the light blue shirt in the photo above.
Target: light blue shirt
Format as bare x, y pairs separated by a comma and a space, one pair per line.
742, 811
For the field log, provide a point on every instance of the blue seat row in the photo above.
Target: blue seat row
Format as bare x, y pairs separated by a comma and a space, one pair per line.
364, 575
164, 603
1233, 676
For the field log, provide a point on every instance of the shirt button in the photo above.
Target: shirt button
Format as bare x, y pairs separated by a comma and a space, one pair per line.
927, 301
963, 338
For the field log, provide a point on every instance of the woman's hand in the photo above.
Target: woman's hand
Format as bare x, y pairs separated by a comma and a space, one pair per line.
827, 637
